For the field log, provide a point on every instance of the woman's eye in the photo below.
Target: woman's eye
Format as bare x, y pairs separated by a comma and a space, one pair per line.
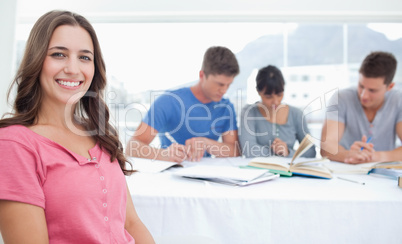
57, 55
86, 58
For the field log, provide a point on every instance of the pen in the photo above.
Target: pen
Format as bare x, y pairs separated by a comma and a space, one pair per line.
354, 181
368, 140
275, 130
170, 137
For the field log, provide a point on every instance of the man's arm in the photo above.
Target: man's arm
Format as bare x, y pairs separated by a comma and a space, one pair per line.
229, 147
332, 132
138, 146
22, 223
394, 155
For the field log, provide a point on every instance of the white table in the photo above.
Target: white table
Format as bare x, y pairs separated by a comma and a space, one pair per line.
285, 210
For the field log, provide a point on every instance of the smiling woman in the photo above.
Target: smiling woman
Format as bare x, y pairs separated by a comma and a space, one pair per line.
68, 68
73, 188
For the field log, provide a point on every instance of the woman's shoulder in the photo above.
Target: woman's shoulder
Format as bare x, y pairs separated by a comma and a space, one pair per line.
13, 131
295, 115
16, 133
295, 110
250, 108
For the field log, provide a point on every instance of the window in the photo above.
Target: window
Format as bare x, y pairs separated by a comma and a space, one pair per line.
144, 58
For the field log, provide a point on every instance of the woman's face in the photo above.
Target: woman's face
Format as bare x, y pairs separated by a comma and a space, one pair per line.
68, 68
271, 101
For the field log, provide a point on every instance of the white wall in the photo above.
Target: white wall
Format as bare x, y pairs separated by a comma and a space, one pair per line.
28, 11
7, 30
221, 10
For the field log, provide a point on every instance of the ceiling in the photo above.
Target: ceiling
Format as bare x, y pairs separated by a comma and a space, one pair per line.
217, 10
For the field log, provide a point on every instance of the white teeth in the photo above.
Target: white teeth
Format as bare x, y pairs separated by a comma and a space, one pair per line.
66, 83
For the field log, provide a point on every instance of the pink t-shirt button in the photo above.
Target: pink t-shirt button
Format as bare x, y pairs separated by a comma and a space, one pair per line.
102, 178
104, 190
106, 218
105, 205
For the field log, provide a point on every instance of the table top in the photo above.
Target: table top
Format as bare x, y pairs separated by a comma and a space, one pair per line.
275, 211
375, 188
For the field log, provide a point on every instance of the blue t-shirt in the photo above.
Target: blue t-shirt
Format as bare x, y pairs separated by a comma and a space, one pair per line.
183, 116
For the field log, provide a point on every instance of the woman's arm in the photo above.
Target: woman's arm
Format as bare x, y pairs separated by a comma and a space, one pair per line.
22, 223
134, 225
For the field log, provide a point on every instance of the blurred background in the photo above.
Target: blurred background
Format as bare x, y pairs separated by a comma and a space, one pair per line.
153, 45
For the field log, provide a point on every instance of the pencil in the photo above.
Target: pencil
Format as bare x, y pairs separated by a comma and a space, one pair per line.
354, 181
170, 137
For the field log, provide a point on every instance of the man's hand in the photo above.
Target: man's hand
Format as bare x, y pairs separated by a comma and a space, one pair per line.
196, 148
280, 148
360, 152
175, 153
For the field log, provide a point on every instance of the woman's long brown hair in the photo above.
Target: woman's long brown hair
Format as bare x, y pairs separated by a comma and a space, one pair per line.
91, 109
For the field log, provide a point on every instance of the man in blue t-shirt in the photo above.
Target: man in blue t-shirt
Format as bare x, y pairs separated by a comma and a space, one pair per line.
189, 121
362, 123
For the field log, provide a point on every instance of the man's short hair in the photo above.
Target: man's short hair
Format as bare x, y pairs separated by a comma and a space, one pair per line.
220, 61
379, 64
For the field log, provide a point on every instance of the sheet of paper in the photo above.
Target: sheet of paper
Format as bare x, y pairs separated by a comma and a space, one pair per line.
151, 166
221, 172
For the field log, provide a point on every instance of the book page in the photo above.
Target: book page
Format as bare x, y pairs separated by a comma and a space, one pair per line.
280, 163
151, 166
343, 168
305, 144
390, 165
310, 161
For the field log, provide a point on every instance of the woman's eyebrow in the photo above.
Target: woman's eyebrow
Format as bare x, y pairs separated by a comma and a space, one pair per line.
66, 49
87, 51
58, 47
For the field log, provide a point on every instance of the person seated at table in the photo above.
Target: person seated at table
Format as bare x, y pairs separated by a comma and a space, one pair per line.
270, 127
362, 122
190, 120
62, 166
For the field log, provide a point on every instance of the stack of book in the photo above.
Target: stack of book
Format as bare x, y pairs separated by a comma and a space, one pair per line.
389, 169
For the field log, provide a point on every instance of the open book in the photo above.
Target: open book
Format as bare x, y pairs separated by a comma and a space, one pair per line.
389, 165
364, 168
344, 168
226, 174
297, 165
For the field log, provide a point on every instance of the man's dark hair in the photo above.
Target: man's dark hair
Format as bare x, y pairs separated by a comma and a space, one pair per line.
379, 64
220, 61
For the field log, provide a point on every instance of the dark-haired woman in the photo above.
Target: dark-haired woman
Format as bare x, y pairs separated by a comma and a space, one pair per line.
269, 127
62, 166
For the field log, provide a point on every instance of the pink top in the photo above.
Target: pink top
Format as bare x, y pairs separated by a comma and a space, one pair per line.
84, 199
